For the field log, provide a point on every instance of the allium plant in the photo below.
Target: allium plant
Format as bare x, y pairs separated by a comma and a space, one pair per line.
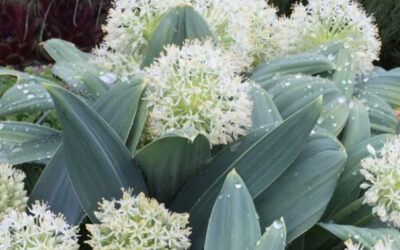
197, 89
382, 174
13, 197
380, 245
321, 21
138, 222
40, 229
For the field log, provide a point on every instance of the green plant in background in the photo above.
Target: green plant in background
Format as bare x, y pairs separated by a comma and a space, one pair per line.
312, 118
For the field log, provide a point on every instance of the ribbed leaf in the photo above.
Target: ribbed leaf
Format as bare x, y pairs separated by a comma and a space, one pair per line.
137, 128
98, 163
27, 95
260, 158
25, 142
118, 110
348, 185
274, 237
264, 109
344, 75
175, 27
335, 113
233, 223
61, 50
366, 236
55, 188
305, 63
302, 193
358, 127
381, 115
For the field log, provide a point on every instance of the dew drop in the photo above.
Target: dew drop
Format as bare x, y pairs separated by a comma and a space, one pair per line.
277, 224
238, 186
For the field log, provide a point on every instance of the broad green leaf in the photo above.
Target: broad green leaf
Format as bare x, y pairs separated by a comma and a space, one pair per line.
348, 187
356, 213
274, 237
382, 117
335, 113
61, 50
305, 63
264, 109
25, 142
385, 85
175, 27
233, 223
98, 163
118, 107
344, 75
366, 236
303, 191
260, 158
54, 182
55, 188
169, 162
27, 95
358, 127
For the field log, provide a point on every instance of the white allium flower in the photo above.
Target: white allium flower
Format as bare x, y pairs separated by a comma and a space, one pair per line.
197, 88
322, 21
380, 245
247, 28
41, 229
382, 174
138, 223
12, 193
129, 27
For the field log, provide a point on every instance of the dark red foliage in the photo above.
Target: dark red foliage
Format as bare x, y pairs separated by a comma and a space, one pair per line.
17, 34
76, 21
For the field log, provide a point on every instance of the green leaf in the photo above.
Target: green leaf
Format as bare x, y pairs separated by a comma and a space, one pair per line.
348, 185
335, 113
344, 75
61, 50
274, 237
264, 109
358, 127
137, 128
366, 236
25, 142
54, 187
305, 63
303, 191
233, 223
27, 95
118, 107
260, 158
98, 163
167, 168
175, 27
382, 117
385, 85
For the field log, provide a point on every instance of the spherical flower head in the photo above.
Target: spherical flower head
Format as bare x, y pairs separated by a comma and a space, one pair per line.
323, 21
382, 181
245, 28
197, 88
137, 222
12, 193
130, 25
40, 229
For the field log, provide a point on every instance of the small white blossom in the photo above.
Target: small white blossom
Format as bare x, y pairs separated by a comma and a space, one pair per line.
322, 21
197, 88
41, 229
380, 245
138, 223
382, 175
12, 193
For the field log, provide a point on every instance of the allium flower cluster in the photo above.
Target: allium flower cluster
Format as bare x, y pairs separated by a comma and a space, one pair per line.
12, 193
197, 88
382, 174
129, 27
138, 223
40, 229
246, 28
380, 245
322, 21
